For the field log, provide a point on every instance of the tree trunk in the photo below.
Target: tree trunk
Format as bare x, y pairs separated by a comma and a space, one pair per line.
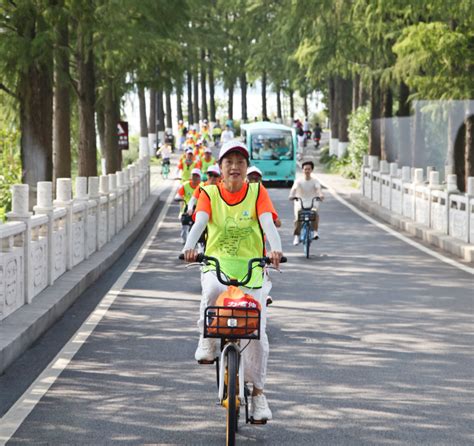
460, 157
278, 95
169, 116
189, 81
404, 154
196, 97
101, 132
212, 99
203, 86
355, 92
230, 111
179, 99
264, 96
386, 133
142, 111
364, 95
243, 87
305, 105
111, 148
333, 109
375, 115
160, 112
87, 159
62, 106
292, 104
36, 121
344, 108
469, 151
152, 114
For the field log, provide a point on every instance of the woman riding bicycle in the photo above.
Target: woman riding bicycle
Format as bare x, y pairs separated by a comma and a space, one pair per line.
235, 213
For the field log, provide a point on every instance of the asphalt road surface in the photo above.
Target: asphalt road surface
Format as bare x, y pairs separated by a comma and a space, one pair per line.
371, 343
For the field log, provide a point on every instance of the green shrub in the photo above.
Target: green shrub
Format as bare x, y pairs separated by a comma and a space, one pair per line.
350, 164
10, 168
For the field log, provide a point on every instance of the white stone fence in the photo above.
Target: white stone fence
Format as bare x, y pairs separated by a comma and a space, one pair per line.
36, 249
424, 200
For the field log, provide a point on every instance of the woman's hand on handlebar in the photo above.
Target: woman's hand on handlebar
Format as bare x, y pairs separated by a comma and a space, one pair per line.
275, 257
190, 255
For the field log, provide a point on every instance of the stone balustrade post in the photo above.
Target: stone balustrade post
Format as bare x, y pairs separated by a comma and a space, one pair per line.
452, 183
44, 206
19, 212
406, 174
123, 192
82, 196
113, 200
64, 199
393, 169
384, 167
94, 196
418, 176
126, 184
104, 192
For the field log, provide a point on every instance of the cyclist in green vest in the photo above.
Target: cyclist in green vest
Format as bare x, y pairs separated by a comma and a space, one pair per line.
237, 215
186, 165
207, 161
184, 194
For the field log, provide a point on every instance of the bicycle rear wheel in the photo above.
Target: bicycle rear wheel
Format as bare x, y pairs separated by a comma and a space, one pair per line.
232, 366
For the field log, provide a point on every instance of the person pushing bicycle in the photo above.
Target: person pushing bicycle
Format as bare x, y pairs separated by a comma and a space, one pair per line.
305, 188
235, 213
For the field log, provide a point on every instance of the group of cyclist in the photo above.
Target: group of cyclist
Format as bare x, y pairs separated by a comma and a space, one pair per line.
225, 199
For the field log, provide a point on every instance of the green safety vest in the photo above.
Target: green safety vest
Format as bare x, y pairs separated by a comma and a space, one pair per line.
188, 191
186, 175
205, 165
234, 234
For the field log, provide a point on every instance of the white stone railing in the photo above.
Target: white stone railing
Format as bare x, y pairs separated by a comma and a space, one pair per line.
36, 249
406, 192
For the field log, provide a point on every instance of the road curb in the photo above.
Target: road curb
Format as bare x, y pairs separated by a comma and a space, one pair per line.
21, 329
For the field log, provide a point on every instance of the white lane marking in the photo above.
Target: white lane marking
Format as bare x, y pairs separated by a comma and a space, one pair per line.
396, 234
13, 419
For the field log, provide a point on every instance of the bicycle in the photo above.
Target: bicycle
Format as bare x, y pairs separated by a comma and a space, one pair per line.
230, 324
307, 216
165, 168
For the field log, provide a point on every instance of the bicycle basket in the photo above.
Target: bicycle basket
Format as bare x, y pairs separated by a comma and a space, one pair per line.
235, 316
307, 216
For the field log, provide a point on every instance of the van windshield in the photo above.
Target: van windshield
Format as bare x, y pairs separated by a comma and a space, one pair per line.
272, 145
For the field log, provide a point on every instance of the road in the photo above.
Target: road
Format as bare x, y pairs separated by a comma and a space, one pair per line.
371, 343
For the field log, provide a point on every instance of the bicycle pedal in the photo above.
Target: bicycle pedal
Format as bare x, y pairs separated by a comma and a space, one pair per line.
252, 421
206, 361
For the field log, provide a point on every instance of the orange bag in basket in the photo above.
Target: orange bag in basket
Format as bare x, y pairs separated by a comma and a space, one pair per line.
246, 319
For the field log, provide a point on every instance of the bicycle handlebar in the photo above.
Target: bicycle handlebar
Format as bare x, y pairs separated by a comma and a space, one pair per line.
262, 261
312, 202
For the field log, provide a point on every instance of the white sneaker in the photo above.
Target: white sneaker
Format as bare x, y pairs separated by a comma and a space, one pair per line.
206, 350
315, 235
296, 240
260, 409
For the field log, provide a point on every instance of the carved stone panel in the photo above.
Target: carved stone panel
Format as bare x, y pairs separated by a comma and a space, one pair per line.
39, 264
12, 282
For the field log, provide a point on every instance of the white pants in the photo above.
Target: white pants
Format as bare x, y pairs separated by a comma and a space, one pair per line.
255, 355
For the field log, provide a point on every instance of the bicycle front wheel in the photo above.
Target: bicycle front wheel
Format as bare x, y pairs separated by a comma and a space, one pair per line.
307, 242
232, 367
